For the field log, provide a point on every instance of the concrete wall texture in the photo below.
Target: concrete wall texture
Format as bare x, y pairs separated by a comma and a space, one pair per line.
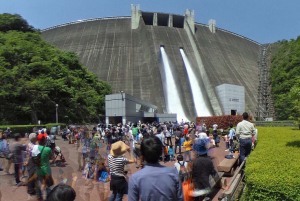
232, 97
130, 60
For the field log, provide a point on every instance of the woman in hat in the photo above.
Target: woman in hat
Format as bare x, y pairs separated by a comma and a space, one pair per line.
116, 163
202, 168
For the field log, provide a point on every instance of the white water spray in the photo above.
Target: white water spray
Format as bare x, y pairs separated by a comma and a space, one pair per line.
173, 100
199, 102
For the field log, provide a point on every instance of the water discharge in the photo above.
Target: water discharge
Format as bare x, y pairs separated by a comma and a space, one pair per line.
173, 101
199, 102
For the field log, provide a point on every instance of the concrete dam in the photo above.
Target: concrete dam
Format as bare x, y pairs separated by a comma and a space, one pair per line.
132, 54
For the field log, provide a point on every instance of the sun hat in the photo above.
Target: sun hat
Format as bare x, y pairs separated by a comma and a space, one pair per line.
118, 148
200, 146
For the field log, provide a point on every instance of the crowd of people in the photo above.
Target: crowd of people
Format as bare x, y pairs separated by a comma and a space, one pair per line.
148, 146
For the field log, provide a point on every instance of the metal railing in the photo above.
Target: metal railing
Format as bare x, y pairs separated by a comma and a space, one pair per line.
235, 186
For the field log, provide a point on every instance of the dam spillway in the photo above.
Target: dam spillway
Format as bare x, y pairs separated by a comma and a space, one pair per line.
173, 100
125, 52
198, 96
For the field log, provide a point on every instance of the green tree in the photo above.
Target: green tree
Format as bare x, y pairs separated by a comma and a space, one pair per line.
10, 22
285, 70
294, 95
35, 76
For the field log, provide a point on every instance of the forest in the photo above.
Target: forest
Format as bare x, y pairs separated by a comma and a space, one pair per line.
36, 77
285, 79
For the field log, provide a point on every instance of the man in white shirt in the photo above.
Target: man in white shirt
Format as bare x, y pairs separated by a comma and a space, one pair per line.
245, 131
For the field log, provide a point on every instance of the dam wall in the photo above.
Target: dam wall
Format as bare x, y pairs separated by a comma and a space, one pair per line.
130, 59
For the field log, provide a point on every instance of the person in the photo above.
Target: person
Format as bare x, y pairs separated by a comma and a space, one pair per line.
171, 153
188, 143
4, 149
116, 164
31, 168
202, 169
43, 172
135, 131
178, 136
179, 166
235, 145
203, 127
226, 139
231, 135
83, 150
185, 129
90, 173
245, 131
17, 157
212, 143
62, 192
8, 133
161, 137
215, 134
155, 181
168, 136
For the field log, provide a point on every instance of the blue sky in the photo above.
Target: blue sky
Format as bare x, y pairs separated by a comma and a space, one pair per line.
264, 21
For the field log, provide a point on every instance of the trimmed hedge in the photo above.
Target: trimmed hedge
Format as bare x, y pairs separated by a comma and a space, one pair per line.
273, 168
223, 122
27, 128
275, 123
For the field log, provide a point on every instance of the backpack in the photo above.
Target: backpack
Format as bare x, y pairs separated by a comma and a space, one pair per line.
183, 172
37, 160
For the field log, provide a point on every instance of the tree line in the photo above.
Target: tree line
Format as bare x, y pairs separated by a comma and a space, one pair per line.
35, 77
285, 79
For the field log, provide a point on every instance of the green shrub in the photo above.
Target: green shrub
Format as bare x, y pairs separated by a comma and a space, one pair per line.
27, 128
272, 170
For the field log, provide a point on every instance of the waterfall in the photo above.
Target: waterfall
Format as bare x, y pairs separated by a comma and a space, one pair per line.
173, 101
200, 105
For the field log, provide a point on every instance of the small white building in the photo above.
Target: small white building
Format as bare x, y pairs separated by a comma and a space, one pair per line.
123, 108
232, 98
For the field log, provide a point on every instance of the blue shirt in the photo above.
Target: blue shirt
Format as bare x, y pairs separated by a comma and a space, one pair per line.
155, 182
231, 133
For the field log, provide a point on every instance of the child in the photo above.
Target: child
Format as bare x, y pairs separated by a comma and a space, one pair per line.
226, 139
188, 147
235, 145
181, 167
212, 143
171, 153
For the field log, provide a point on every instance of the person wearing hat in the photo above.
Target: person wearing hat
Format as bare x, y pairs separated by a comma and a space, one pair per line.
116, 163
202, 168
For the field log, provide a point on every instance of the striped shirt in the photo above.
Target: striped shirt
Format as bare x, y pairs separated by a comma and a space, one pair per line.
117, 164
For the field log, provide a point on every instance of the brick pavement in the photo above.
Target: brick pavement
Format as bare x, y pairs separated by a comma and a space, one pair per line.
100, 192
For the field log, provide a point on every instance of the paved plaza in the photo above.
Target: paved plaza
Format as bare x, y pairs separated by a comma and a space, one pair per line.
85, 189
